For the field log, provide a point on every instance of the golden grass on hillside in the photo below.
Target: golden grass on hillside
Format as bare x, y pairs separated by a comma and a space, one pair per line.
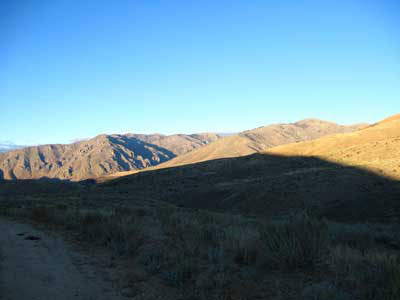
375, 148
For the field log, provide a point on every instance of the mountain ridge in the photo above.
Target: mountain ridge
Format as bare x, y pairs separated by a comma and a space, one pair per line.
262, 138
121, 154
101, 155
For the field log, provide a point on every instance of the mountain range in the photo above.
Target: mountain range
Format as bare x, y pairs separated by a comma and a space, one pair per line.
101, 155
258, 140
107, 155
351, 176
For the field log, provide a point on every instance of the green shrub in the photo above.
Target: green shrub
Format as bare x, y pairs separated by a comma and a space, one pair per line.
153, 260
180, 273
243, 243
324, 291
300, 242
115, 230
361, 236
372, 275
120, 233
217, 277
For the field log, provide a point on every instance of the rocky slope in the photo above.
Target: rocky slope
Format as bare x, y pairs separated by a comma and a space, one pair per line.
104, 154
178, 143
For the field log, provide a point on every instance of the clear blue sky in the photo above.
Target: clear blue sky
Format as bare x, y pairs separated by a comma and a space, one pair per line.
75, 69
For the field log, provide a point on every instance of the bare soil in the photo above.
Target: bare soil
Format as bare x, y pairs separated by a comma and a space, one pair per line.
40, 266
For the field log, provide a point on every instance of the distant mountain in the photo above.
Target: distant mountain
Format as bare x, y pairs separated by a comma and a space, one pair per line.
114, 155
102, 155
261, 139
352, 177
8, 146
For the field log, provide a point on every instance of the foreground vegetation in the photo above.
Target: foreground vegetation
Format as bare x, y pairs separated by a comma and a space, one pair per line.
180, 253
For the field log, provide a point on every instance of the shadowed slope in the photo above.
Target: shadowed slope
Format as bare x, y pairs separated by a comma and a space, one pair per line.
290, 178
269, 185
178, 143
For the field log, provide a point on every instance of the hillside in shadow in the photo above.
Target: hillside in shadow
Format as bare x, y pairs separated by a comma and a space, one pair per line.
244, 228
266, 184
43, 186
255, 185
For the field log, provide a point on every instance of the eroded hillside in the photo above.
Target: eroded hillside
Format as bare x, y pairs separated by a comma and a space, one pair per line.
102, 155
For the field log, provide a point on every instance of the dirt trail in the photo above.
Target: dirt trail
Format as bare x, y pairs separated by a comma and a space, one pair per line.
38, 266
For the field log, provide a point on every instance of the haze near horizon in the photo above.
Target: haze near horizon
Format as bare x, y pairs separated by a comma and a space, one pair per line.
71, 70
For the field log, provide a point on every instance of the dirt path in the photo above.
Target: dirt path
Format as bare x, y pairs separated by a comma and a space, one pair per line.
38, 266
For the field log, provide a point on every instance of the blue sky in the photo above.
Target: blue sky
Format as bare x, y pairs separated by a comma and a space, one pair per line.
75, 69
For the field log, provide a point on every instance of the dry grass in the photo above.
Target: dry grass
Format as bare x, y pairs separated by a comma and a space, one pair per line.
298, 243
371, 275
375, 148
203, 255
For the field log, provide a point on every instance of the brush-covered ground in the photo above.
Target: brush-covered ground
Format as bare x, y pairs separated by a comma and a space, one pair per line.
169, 252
